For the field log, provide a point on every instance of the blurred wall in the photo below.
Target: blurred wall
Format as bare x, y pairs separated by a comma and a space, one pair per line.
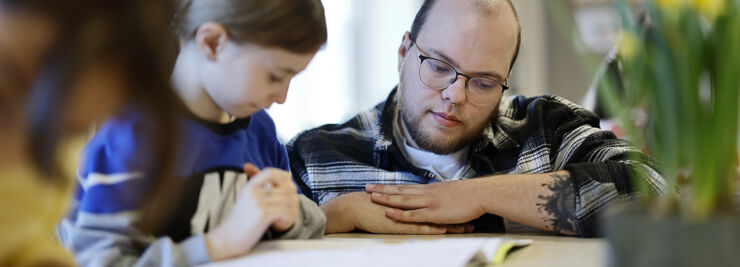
354, 71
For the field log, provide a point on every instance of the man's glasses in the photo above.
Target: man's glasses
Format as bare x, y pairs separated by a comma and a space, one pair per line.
438, 75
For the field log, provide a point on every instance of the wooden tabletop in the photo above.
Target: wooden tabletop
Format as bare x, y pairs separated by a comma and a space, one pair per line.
551, 251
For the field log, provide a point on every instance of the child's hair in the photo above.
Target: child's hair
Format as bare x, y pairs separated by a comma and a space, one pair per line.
132, 35
298, 26
14, 82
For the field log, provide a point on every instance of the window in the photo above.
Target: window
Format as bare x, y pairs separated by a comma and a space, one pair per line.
335, 86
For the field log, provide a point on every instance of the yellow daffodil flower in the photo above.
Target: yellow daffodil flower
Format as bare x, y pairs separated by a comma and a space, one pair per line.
710, 9
628, 45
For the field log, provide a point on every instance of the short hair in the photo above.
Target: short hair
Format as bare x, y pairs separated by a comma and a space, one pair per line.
423, 13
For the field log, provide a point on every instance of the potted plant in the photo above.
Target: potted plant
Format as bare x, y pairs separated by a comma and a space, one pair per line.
679, 61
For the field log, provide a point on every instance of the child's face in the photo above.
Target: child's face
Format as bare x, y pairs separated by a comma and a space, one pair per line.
247, 77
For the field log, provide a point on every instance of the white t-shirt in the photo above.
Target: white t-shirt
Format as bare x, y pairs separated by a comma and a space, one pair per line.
449, 166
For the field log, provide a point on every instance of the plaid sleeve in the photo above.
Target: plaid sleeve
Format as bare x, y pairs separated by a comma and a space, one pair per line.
602, 167
298, 166
602, 170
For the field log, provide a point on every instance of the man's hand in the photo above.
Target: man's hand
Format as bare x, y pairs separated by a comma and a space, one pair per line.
453, 202
544, 200
356, 211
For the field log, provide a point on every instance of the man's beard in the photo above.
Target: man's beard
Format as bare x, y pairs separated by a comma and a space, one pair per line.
412, 122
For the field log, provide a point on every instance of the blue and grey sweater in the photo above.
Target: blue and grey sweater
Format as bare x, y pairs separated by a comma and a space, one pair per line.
114, 179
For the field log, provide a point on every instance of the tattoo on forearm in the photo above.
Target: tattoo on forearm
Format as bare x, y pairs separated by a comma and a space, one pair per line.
559, 207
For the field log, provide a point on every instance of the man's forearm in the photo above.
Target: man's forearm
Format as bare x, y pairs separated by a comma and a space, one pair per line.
339, 216
545, 201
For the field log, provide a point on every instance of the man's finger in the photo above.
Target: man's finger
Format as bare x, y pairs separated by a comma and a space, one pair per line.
455, 229
420, 229
415, 216
462, 228
400, 201
396, 189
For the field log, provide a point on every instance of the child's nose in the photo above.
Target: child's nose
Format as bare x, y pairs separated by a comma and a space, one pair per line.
280, 97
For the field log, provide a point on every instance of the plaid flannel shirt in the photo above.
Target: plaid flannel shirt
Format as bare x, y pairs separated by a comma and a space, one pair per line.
529, 135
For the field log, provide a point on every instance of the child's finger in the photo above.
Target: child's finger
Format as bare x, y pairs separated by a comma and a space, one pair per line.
269, 181
278, 201
286, 189
284, 181
263, 177
286, 196
250, 169
281, 217
275, 211
281, 176
280, 180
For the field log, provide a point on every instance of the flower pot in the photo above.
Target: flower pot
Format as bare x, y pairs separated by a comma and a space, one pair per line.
635, 240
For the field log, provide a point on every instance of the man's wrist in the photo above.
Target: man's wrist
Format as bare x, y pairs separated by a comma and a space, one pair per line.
482, 195
340, 218
351, 211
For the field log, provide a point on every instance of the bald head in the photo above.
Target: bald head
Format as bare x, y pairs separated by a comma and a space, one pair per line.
485, 8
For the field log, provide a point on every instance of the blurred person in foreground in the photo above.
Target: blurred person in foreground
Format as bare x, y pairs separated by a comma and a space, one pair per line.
64, 65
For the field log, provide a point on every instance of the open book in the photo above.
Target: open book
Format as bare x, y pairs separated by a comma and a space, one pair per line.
443, 252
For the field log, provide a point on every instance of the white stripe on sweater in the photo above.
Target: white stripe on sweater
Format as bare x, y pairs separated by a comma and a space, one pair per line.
95, 178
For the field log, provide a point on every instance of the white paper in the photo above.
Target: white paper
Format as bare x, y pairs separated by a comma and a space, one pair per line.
444, 252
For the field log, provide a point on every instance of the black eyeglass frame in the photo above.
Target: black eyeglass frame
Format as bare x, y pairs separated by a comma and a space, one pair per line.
504, 87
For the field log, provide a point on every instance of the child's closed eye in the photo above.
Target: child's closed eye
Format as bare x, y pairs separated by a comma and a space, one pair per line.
275, 79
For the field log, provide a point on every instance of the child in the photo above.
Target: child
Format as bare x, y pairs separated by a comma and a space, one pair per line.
56, 76
237, 57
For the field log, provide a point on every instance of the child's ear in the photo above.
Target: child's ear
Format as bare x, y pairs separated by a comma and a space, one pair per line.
210, 39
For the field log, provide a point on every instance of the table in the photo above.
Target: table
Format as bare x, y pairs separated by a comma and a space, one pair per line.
551, 251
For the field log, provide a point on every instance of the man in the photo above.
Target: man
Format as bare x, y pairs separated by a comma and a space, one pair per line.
406, 165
